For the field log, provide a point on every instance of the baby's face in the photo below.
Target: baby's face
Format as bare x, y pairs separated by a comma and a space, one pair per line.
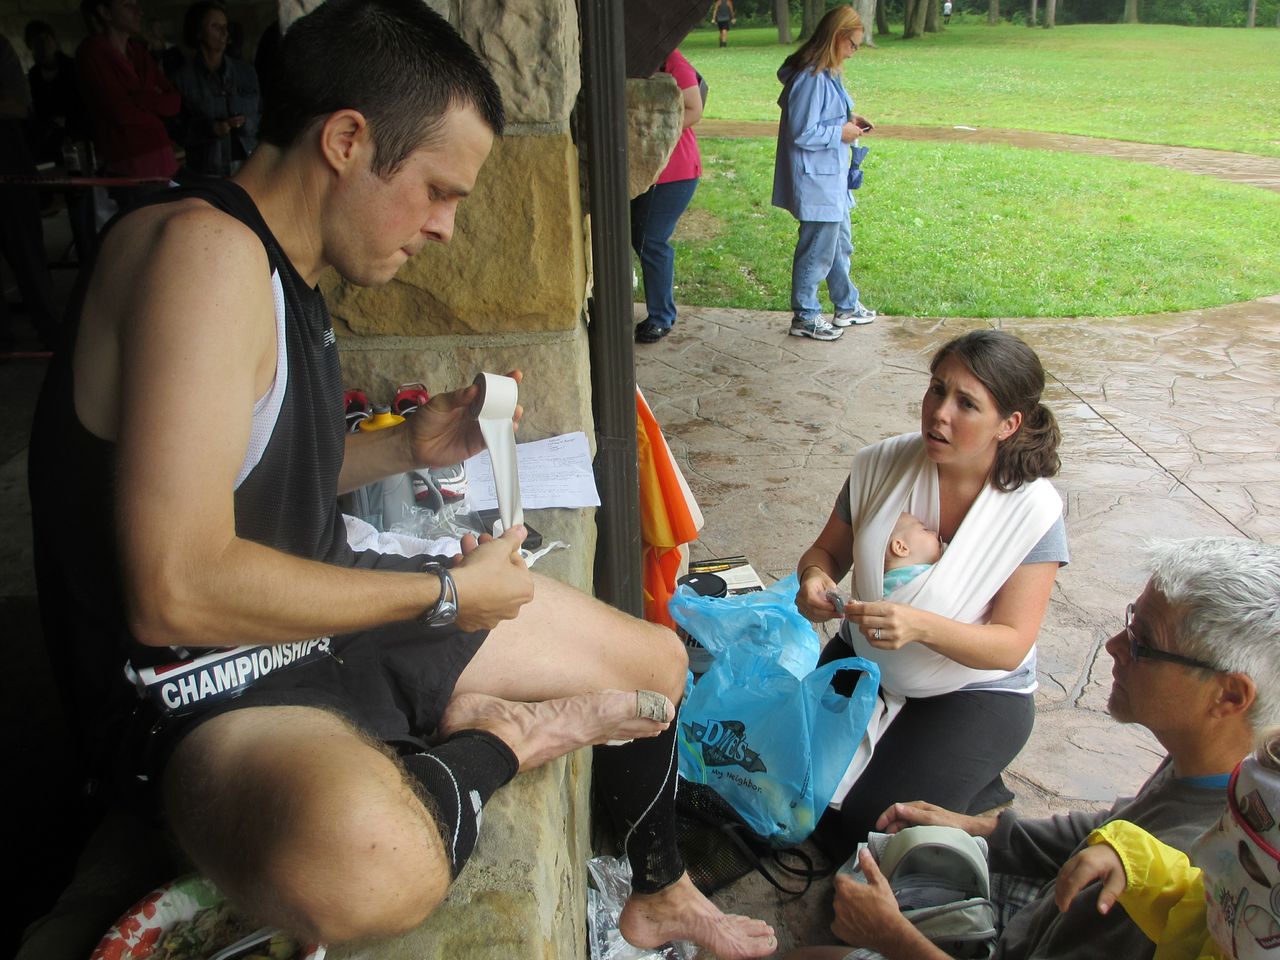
923, 545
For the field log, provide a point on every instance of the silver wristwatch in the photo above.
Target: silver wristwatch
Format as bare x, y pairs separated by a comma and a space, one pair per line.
445, 610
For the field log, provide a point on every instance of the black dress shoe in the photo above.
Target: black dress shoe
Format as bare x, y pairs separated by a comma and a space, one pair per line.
650, 332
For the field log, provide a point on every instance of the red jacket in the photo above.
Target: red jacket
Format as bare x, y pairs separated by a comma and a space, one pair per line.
126, 96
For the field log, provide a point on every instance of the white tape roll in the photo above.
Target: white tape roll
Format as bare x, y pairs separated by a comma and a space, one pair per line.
497, 403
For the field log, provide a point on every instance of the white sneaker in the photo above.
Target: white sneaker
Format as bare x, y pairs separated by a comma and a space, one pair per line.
818, 328
855, 317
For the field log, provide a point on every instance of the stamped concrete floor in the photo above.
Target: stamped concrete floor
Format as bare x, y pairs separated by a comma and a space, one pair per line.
1170, 426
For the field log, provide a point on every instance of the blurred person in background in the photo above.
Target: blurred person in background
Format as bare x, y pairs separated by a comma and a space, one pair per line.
220, 102
21, 234
655, 212
57, 111
127, 95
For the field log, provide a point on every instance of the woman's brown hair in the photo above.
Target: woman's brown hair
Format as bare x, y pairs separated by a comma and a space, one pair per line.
819, 52
1012, 372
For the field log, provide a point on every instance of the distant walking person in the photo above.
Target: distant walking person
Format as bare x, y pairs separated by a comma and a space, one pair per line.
725, 18
811, 174
946, 12
655, 212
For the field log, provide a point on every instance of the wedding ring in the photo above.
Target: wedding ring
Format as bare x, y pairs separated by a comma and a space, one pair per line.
877, 633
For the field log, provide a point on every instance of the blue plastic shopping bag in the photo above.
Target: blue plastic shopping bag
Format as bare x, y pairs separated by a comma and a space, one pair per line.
771, 741
766, 621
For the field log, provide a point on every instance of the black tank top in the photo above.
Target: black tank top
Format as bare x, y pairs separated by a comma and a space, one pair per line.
288, 501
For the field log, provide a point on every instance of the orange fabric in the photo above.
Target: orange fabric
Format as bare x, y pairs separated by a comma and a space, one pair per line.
666, 520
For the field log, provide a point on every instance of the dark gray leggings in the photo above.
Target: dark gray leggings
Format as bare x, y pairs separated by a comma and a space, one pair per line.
949, 750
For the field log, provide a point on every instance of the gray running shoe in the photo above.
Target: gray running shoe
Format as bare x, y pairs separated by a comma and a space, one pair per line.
818, 328
855, 317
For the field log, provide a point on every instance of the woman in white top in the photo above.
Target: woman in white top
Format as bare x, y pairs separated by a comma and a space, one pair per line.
956, 646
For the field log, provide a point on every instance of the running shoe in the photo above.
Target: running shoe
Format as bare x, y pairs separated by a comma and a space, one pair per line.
817, 328
855, 317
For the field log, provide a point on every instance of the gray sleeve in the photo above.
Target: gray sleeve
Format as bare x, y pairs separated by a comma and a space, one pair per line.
1052, 547
1038, 848
842, 504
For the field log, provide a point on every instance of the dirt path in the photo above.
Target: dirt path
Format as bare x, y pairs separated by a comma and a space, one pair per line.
1263, 172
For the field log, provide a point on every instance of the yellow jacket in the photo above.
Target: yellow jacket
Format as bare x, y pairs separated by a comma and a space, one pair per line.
1164, 893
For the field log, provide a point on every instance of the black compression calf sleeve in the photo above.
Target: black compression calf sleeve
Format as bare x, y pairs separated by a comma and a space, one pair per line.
638, 785
458, 777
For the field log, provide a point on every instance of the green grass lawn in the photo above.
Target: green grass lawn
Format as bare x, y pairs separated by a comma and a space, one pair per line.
989, 231
1192, 86
985, 231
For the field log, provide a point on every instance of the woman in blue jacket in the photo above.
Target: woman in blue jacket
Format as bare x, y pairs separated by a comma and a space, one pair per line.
811, 174
220, 102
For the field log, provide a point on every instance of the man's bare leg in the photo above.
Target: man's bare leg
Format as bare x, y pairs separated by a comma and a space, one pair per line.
566, 644
297, 817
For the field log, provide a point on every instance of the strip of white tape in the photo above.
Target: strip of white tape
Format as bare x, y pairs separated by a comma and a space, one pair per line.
497, 407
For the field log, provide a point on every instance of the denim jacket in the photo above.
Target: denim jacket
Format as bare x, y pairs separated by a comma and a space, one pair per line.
811, 167
207, 97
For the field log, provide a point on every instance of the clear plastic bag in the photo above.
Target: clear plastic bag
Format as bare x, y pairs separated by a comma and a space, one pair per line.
454, 520
610, 887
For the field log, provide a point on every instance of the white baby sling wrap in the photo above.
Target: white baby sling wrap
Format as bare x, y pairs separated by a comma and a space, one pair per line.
893, 477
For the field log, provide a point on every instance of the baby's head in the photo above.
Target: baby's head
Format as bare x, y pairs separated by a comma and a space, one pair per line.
911, 542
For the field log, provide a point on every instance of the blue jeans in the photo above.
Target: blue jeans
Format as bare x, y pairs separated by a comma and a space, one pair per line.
823, 251
653, 219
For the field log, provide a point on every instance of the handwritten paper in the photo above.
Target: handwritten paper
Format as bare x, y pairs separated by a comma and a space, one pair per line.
555, 472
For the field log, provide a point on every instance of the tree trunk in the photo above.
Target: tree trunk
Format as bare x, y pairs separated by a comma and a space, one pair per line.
882, 19
913, 25
1035, 7
866, 10
1130, 11
811, 14
931, 24
1253, 14
782, 13
1050, 9
993, 12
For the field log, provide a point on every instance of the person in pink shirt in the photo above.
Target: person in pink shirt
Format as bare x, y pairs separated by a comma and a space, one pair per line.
655, 212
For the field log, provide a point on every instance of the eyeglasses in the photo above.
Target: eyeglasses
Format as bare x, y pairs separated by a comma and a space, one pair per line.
1142, 651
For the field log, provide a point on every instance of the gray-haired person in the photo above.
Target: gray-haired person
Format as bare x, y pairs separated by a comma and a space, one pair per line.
1198, 664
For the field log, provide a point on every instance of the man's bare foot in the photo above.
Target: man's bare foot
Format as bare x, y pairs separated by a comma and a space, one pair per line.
681, 912
539, 732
